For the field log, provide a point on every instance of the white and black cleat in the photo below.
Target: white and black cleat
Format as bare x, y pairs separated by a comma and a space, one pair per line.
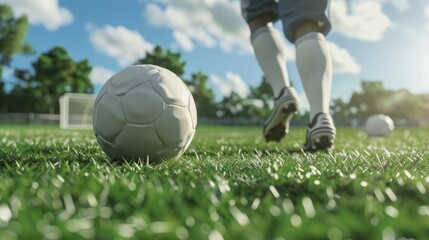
321, 133
286, 105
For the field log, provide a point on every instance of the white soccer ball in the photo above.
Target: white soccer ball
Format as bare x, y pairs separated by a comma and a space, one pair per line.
144, 112
379, 125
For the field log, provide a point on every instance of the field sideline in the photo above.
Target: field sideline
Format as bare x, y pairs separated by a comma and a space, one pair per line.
230, 184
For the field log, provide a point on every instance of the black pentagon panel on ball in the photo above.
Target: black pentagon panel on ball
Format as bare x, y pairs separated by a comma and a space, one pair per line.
129, 78
142, 105
110, 120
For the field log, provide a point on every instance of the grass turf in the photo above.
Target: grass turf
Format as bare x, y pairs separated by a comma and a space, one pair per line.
230, 184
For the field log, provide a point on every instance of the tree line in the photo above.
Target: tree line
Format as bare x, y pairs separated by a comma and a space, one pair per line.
54, 73
373, 98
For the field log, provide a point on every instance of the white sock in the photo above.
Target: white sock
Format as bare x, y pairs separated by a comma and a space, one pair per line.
314, 65
269, 50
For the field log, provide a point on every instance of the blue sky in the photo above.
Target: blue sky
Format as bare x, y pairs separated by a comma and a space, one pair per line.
384, 40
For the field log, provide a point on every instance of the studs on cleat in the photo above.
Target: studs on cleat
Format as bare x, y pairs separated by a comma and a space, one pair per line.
285, 106
320, 133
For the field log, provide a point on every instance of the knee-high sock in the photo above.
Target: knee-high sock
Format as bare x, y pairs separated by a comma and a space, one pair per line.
270, 53
314, 65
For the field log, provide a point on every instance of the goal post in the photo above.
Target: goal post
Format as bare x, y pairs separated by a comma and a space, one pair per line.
76, 110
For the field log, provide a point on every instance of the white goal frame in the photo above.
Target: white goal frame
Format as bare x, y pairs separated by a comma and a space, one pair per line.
76, 110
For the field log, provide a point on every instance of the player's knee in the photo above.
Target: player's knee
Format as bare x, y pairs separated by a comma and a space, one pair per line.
260, 21
306, 27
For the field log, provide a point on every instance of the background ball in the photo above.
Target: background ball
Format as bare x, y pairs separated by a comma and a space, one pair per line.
379, 125
144, 112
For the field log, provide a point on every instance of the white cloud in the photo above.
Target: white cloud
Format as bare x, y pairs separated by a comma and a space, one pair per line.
183, 40
362, 19
214, 23
401, 5
342, 62
41, 12
426, 14
121, 43
232, 83
99, 75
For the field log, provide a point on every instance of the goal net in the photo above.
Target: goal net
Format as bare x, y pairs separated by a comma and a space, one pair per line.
76, 110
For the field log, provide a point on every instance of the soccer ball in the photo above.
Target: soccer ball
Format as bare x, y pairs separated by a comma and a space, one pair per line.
144, 112
379, 125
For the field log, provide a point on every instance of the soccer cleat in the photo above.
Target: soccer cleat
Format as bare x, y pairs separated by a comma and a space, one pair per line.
321, 133
285, 106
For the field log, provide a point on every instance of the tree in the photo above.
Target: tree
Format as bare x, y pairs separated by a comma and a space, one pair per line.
166, 59
21, 99
231, 106
13, 32
234, 106
3, 96
374, 99
204, 96
340, 108
366, 102
55, 73
264, 94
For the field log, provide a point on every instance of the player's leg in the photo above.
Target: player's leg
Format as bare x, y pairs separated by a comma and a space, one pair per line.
270, 53
314, 65
267, 42
306, 23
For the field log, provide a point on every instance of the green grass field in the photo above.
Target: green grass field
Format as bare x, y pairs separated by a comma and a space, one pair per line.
230, 184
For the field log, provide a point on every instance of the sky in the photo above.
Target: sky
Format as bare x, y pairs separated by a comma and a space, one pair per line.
385, 40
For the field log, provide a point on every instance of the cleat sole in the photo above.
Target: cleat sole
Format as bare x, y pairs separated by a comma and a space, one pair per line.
285, 107
279, 131
321, 134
